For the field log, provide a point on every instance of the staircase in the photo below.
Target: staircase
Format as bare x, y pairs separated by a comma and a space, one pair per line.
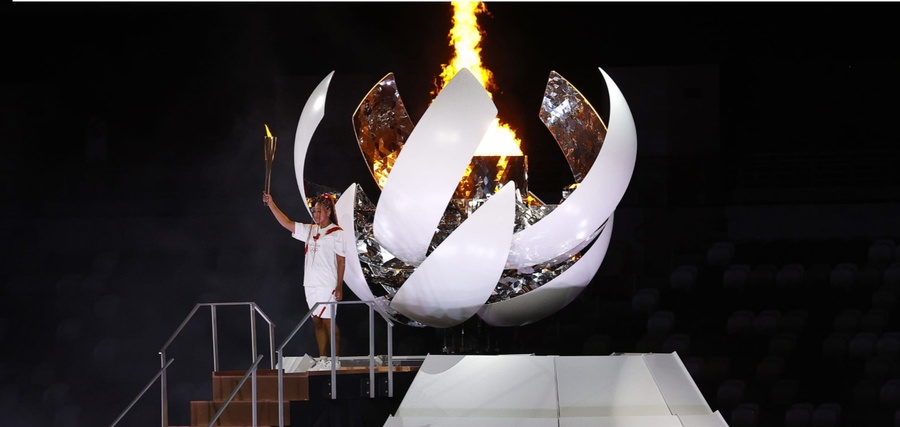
240, 411
300, 384
303, 386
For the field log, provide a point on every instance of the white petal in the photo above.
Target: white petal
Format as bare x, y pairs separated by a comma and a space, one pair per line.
353, 273
554, 295
456, 279
429, 167
312, 114
593, 201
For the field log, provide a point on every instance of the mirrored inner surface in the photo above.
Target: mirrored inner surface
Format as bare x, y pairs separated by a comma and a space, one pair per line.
577, 128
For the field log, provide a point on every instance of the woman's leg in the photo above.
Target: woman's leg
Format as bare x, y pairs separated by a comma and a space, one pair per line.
337, 336
322, 334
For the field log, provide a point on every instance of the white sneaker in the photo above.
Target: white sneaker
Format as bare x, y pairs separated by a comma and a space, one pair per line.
324, 364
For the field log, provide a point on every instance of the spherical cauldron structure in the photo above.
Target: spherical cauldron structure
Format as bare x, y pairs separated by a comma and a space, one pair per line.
454, 235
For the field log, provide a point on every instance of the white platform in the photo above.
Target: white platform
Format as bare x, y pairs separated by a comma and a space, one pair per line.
631, 390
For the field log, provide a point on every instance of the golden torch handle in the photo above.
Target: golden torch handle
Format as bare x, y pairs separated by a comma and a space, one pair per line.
269, 157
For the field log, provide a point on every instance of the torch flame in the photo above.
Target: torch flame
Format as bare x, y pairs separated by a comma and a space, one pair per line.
465, 37
269, 134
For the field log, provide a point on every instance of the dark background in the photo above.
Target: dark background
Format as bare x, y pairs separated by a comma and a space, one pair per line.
758, 237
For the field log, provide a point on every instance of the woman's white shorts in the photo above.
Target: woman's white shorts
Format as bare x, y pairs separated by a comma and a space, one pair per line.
316, 294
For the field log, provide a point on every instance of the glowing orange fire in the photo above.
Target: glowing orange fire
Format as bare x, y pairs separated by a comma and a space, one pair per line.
465, 37
500, 140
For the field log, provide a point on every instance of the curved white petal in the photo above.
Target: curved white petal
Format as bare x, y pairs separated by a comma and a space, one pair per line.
429, 167
554, 295
577, 249
353, 273
456, 279
595, 198
312, 114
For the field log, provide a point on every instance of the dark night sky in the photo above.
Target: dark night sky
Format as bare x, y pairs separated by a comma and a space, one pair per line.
185, 87
140, 124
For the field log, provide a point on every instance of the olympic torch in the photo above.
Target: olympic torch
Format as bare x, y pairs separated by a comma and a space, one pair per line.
269, 156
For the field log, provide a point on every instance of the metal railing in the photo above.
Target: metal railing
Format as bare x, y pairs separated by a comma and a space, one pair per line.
254, 310
161, 375
252, 371
141, 394
390, 352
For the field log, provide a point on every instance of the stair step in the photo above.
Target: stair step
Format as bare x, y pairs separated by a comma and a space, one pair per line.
296, 386
238, 413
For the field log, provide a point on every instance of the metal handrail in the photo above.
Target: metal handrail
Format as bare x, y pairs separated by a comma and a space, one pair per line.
254, 310
250, 371
141, 394
390, 361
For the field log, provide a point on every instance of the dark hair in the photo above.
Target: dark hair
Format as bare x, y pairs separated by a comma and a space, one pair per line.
327, 201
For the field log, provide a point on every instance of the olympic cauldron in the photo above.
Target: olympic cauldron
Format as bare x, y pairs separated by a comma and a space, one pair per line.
455, 235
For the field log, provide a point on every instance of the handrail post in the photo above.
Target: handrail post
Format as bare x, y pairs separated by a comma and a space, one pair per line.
280, 368
371, 351
272, 345
253, 388
333, 346
164, 396
253, 330
215, 338
390, 343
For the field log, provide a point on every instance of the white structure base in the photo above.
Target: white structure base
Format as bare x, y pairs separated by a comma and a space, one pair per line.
629, 390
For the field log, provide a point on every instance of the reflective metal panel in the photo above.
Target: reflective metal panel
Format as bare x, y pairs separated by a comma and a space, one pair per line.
382, 125
577, 128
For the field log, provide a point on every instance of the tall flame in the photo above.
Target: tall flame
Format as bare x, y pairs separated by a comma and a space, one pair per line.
465, 37
269, 134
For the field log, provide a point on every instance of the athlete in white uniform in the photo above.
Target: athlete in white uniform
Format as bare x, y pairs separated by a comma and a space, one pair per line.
323, 270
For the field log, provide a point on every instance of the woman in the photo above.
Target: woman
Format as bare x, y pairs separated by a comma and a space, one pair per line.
323, 268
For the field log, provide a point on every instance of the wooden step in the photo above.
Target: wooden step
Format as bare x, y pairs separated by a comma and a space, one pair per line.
238, 413
296, 386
